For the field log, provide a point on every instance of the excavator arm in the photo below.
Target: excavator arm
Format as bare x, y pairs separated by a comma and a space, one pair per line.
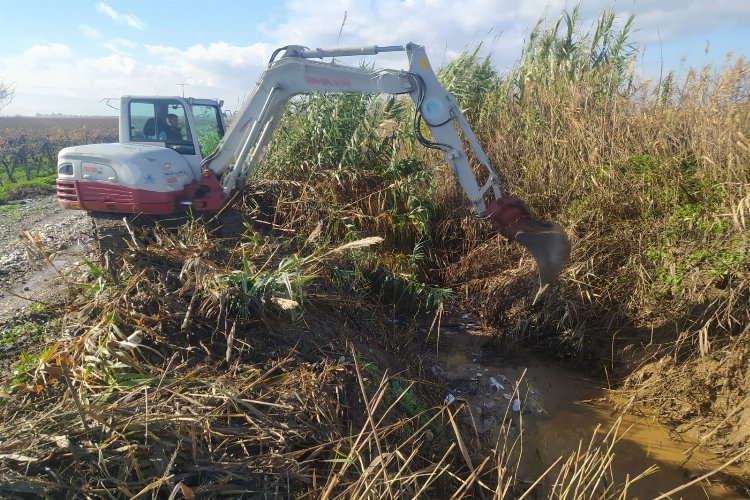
295, 72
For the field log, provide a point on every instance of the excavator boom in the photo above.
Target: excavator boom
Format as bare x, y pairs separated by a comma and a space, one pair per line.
153, 172
295, 73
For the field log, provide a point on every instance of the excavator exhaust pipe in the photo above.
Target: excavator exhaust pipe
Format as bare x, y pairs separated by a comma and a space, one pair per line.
547, 241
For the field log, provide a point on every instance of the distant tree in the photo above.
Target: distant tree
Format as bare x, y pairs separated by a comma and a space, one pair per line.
7, 92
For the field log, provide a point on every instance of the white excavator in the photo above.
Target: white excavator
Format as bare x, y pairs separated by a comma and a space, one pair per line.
161, 167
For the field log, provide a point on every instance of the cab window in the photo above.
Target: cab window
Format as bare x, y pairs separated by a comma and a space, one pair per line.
161, 121
208, 126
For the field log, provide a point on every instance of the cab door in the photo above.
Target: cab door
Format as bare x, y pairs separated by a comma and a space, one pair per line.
208, 126
200, 123
148, 120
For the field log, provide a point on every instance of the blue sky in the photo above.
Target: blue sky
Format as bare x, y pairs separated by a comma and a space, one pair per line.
65, 56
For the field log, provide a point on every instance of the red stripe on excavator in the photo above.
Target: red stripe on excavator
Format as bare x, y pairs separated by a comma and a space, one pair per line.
106, 197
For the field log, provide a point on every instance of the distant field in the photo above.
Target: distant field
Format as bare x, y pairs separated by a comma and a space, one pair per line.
29, 147
33, 127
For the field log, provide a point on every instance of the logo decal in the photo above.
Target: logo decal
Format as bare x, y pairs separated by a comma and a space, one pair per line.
93, 168
175, 172
335, 82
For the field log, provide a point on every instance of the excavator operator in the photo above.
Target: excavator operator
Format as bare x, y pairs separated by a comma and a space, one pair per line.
172, 131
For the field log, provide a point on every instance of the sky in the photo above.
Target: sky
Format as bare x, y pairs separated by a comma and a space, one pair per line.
69, 56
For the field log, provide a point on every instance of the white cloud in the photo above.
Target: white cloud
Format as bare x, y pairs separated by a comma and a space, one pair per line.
129, 19
110, 68
675, 18
221, 53
47, 51
444, 27
220, 70
36, 60
229, 70
217, 70
51, 70
120, 46
89, 31
666, 19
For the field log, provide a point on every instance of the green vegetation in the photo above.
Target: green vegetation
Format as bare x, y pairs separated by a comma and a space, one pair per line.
208, 141
9, 334
26, 189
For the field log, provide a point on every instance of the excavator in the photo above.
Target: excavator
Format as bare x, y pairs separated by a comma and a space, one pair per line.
160, 167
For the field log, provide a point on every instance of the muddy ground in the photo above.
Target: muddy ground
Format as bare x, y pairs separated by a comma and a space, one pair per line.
41, 248
552, 407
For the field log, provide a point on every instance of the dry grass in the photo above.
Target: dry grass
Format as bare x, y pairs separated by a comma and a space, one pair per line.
654, 193
164, 383
178, 375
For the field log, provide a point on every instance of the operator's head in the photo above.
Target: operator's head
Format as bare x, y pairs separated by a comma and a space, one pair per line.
172, 119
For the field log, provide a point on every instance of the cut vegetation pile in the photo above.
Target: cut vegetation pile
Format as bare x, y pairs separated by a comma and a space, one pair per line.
204, 367
287, 358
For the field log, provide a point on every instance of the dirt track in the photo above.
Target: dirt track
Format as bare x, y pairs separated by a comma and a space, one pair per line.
35, 233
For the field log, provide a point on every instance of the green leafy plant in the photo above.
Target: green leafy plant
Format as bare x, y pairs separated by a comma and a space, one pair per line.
9, 334
730, 263
28, 188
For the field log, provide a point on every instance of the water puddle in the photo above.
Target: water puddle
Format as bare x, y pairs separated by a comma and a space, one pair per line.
560, 410
47, 284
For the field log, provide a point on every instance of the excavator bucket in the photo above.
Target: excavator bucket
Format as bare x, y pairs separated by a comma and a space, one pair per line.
547, 241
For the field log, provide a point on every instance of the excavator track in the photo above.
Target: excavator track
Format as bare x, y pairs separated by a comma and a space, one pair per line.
110, 232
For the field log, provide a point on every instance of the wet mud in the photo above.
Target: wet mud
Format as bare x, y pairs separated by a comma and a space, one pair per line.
552, 409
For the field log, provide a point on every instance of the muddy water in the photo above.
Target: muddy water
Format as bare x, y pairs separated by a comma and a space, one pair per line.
48, 284
560, 409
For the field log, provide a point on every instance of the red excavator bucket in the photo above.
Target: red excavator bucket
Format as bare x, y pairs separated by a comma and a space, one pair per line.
547, 241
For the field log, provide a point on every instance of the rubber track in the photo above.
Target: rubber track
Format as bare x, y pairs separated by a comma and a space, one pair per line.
109, 232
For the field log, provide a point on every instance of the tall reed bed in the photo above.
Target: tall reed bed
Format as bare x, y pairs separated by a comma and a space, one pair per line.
652, 181
650, 178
